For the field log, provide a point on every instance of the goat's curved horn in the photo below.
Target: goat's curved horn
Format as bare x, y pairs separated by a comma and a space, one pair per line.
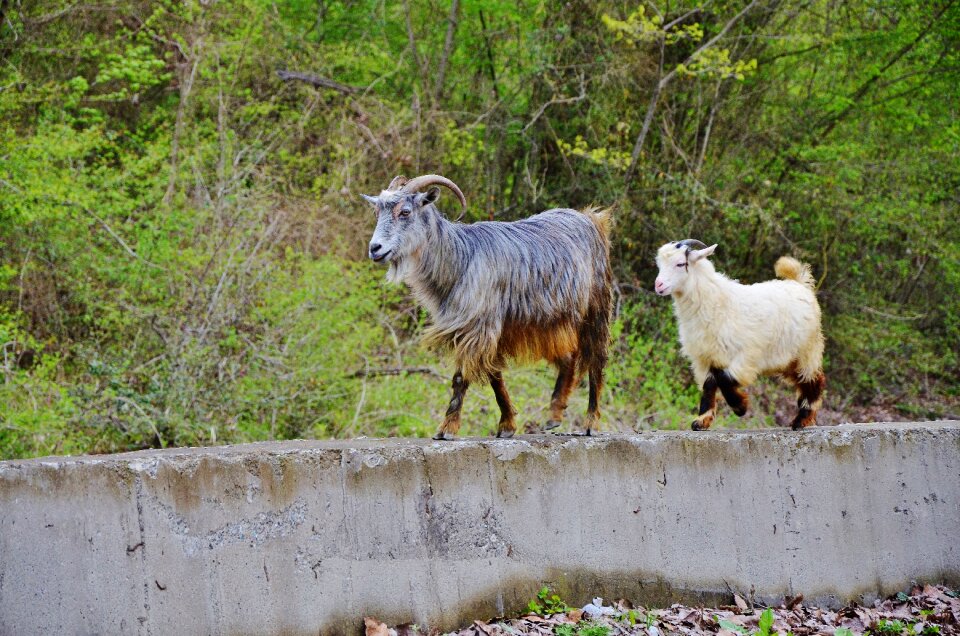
419, 183
691, 244
397, 183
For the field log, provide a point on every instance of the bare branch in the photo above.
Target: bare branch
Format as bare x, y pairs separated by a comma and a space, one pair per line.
490, 59
452, 22
317, 81
413, 41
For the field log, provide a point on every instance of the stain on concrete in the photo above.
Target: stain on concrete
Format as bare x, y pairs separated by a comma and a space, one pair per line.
255, 531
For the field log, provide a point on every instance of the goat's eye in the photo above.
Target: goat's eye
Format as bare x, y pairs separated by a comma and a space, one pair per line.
681, 264
404, 213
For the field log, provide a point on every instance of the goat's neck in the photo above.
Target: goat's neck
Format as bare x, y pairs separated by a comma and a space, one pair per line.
436, 268
705, 294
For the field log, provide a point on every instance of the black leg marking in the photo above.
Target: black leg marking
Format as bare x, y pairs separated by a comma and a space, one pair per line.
708, 404
808, 401
731, 391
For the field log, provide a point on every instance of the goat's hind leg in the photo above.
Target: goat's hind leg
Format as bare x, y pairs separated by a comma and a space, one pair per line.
732, 393
809, 398
593, 403
566, 378
708, 404
507, 427
451, 423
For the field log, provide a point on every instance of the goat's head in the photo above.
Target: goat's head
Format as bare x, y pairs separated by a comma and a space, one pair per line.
402, 215
675, 261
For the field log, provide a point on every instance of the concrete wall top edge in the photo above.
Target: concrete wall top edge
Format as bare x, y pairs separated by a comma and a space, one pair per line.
505, 448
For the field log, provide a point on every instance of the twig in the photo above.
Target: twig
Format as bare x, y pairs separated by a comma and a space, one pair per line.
558, 100
884, 314
363, 397
145, 416
393, 371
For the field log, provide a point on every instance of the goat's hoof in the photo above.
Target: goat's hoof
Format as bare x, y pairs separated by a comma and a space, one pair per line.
587, 433
505, 434
699, 426
551, 424
443, 436
740, 412
799, 426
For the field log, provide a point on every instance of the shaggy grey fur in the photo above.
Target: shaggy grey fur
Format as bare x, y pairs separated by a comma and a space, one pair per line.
546, 278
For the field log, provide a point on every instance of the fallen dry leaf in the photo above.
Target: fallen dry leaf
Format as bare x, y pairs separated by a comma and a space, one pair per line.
793, 602
942, 616
375, 627
575, 615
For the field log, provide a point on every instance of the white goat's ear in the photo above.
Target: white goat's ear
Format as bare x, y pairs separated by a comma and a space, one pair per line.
696, 255
371, 200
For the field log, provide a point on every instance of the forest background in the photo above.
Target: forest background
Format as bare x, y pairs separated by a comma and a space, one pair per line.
182, 238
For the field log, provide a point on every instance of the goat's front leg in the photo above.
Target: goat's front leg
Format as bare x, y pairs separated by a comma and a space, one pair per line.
708, 404
732, 393
566, 378
451, 423
507, 427
809, 397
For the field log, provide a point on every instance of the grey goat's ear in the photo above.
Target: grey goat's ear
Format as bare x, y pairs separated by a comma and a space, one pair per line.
697, 255
430, 196
371, 200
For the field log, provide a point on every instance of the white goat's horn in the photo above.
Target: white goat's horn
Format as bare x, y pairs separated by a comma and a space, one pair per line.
419, 183
691, 244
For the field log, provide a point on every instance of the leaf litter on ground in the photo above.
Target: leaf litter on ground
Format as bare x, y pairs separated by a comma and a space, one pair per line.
926, 610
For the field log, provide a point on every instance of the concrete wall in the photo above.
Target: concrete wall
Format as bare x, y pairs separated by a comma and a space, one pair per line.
308, 537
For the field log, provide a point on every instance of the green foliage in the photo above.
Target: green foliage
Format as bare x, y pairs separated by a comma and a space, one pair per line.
766, 622
593, 629
182, 243
764, 626
733, 627
547, 604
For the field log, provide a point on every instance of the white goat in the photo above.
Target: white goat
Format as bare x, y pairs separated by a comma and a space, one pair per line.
733, 333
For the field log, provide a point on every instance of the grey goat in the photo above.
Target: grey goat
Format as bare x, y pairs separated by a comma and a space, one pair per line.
529, 290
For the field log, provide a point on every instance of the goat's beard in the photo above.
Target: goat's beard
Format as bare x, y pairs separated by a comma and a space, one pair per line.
394, 274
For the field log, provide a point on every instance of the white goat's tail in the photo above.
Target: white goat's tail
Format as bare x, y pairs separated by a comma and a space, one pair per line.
789, 268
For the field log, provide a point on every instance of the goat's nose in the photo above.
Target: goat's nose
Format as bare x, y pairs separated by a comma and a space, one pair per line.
375, 247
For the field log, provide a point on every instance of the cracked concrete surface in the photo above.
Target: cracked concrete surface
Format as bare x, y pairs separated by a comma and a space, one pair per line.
309, 537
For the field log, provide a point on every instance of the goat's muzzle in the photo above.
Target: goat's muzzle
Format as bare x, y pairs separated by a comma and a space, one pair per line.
376, 255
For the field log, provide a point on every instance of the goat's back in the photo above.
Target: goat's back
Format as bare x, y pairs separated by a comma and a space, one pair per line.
540, 268
526, 289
